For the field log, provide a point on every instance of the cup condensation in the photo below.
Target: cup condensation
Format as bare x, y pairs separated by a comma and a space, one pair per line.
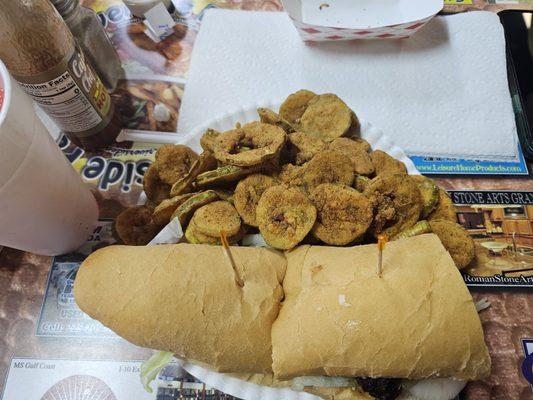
45, 207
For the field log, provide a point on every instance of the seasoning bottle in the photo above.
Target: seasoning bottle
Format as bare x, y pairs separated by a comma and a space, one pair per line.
42, 55
91, 37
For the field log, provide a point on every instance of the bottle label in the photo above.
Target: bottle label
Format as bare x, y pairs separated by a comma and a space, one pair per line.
72, 95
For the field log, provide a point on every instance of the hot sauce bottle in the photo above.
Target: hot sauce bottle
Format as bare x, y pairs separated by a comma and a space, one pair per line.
41, 54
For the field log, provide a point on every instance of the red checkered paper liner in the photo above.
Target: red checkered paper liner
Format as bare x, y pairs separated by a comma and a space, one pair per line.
315, 33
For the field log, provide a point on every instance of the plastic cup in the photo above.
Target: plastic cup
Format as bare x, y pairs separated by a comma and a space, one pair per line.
45, 207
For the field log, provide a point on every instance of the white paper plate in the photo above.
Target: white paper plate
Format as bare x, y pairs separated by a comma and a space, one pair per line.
223, 382
374, 136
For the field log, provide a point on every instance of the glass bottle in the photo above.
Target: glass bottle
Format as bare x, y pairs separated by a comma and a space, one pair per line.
40, 52
91, 37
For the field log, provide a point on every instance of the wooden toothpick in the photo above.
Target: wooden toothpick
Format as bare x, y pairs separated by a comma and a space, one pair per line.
227, 252
382, 240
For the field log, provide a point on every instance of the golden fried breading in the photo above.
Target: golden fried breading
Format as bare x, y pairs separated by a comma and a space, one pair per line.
326, 117
343, 214
224, 175
356, 153
174, 161
268, 116
396, 201
162, 213
304, 147
208, 139
205, 162
444, 209
285, 216
250, 145
185, 211
327, 167
429, 191
247, 195
456, 240
156, 190
291, 175
295, 104
383, 163
135, 227
193, 236
215, 217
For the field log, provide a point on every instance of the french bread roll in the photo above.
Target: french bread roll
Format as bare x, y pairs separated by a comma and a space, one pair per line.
339, 318
183, 298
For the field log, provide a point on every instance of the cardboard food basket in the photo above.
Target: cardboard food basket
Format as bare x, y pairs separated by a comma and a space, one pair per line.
332, 20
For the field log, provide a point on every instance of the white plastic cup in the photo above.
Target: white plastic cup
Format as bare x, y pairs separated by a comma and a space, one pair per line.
45, 207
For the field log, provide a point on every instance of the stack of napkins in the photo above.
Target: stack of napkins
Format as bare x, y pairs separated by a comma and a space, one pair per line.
441, 93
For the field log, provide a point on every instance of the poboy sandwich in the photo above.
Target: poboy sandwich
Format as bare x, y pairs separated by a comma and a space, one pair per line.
320, 316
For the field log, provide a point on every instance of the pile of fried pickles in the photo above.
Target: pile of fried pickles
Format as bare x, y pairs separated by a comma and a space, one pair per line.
301, 175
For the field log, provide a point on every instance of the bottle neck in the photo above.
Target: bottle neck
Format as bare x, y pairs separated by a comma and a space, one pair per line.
69, 10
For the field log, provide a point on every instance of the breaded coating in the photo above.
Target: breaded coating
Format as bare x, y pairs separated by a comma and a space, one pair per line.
396, 201
343, 214
285, 216
247, 195
456, 240
357, 154
444, 209
252, 144
174, 161
156, 190
134, 226
383, 163
326, 117
215, 217
295, 104
304, 147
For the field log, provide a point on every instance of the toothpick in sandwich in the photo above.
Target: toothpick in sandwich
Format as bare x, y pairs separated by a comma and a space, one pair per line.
227, 252
382, 240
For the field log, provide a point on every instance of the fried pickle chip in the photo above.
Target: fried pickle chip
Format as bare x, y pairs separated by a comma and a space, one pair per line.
195, 237
174, 161
134, 226
156, 190
361, 182
295, 104
185, 211
205, 162
162, 213
328, 167
291, 175
268, 116
356, 153
215, 217
456, 240
226, 195
247, 195
383, 163
304, 147
355, 128
419, 228
260, 142
429, 191
343, 214
396, 201
223, 175
208, 139
326, 117
285, 216
444, 209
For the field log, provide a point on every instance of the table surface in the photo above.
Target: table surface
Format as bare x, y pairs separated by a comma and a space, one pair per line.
24, 276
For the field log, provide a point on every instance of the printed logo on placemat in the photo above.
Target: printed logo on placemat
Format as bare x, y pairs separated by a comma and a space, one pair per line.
527, 364
501, 224
60, 316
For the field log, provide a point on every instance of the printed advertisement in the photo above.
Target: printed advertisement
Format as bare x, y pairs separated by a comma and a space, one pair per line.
501, 224
60, 316
57, 379
115, 174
